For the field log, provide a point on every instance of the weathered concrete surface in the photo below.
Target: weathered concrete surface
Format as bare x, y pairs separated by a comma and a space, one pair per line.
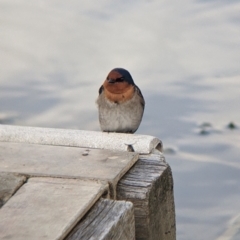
47, 208
107, 220
66, 162
9, 184
149, 186
77, 138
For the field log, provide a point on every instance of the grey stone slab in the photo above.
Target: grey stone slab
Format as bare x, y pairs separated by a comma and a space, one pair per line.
66, 162
77, 138
107, 220
47, 208
9, 184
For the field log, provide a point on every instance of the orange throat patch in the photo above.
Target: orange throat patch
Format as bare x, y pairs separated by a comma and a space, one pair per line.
119, 96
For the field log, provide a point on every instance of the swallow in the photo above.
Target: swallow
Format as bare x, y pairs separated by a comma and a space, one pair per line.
120, 103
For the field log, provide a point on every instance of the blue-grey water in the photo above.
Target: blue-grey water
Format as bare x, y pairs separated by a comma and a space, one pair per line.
184, 56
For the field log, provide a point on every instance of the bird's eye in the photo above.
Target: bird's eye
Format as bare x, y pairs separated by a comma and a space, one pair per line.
121, 79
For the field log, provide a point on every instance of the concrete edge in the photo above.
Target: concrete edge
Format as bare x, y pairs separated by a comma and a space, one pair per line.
142, 144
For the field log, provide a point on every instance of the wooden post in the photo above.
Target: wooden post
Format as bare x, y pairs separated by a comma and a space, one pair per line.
149, 186
108, 220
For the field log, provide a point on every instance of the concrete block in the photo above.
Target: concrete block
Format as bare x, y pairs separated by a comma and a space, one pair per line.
77, 138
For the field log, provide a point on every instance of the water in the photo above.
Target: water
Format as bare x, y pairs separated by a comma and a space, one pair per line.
184, 56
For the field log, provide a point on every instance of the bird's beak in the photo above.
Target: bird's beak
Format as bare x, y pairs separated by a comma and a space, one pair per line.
111, 80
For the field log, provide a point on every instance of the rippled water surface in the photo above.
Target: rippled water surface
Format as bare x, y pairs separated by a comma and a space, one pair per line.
185, 57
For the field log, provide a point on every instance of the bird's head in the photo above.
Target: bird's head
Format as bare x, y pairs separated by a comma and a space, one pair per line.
118, 81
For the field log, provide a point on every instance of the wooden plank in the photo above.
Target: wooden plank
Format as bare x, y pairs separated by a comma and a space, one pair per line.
9, 184
107, 220
149, 186
47, 208
66, 162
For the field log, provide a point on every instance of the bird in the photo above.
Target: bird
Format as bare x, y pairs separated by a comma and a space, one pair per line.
120, 103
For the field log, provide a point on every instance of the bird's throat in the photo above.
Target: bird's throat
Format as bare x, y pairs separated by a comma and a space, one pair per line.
119, 97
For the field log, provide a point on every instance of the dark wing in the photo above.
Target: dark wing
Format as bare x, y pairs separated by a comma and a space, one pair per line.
100, 90
141, 96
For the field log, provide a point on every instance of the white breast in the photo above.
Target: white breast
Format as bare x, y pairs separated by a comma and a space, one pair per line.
123, 117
